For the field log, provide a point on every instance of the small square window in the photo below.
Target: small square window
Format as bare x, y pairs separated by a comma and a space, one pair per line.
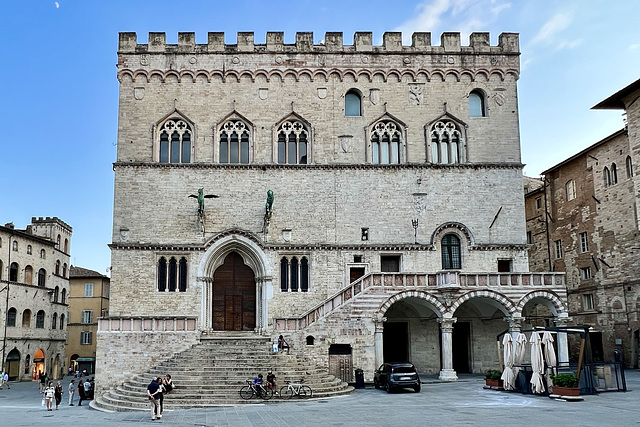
538, 202
364, 234
584, 242
87, 316
558, 247
585, 273
88, 289
390, 263
529, 237
357, 258
504, 265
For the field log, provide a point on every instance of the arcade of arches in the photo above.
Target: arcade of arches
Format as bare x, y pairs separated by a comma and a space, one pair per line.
18, 367
415, 330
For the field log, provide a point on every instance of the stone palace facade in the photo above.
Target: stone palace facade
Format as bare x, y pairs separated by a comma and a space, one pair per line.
394, 228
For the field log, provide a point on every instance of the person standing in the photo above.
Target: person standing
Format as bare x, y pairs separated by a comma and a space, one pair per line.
72, 391
80, 392
58, 394
87, 389
1, 380
161, 389
5, 378
152, 392
43, 381
48, 394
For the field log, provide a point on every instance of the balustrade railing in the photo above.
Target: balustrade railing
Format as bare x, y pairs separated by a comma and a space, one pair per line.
425, 281
146, 324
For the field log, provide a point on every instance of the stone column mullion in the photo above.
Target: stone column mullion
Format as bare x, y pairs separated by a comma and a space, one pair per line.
378, 339
446, 326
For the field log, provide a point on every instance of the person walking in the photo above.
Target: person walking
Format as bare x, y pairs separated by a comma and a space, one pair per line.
80, 392
87, 389
152, 392
48, 394
72, 391
58, 394
5, 378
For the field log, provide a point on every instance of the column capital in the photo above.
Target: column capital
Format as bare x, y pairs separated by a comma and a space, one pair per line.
446, 323
562, 321
378, 321
515, 323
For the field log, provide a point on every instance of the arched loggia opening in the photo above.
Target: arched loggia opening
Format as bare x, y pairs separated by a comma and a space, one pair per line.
479, 319
411, 332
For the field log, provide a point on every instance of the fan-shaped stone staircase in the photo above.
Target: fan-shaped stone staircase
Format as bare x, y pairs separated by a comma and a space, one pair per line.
212, 372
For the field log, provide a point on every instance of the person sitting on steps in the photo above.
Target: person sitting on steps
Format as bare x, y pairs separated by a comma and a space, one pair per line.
271, 382
257, 383
282, 344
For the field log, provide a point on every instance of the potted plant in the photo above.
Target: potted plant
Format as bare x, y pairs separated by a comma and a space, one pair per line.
565, 385
492, 378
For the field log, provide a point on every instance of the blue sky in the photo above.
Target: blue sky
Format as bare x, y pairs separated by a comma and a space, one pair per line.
60, 92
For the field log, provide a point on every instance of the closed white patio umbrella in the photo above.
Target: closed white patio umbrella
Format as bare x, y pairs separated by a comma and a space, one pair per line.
508, 376
549, 356
537, 364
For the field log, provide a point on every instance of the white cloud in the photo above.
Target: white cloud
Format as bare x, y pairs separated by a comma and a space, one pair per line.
465, 16
566, 44
634, 46
556, 24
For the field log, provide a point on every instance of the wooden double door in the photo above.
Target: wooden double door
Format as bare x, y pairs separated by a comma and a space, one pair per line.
234, 296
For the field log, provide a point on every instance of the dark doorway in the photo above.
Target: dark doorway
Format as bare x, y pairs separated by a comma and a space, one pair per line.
595, 340
341, 362
395, 339
355, 273
460, 342
234, 296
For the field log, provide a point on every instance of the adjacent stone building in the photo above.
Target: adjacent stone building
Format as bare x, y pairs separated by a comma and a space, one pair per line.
364, 201
88, 301
583, 219
34, 290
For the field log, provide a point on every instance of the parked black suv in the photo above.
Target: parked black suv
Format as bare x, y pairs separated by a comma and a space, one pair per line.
392, 376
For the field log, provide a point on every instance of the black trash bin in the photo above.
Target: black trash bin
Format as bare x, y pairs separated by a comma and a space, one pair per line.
359, 378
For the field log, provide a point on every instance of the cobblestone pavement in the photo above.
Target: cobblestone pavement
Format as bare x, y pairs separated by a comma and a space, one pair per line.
462, 403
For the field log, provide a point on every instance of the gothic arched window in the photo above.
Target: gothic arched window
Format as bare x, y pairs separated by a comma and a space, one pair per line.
614, 174
294, 274
607, 176
352, 103
629, 165
451, 257
42, 274
446, 143
172, 274
175, 141
293, 143
40, 320
235, 136
386, 140
476, 104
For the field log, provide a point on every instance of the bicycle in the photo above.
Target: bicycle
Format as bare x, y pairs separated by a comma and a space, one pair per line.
258, 390
295, 389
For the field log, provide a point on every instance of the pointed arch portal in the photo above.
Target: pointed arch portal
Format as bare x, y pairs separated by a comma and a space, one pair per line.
234, 295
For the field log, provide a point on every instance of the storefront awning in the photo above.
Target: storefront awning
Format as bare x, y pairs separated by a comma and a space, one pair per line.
85, 359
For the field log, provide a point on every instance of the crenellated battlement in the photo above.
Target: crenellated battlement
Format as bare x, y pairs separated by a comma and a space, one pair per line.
450, 42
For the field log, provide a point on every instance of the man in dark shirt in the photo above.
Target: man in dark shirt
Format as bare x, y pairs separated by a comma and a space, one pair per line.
153, 390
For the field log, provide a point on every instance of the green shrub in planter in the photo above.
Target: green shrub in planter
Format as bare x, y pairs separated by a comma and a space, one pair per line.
565, 380
492, 374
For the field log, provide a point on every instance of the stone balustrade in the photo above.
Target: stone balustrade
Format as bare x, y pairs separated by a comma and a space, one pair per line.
147, 324
448, 280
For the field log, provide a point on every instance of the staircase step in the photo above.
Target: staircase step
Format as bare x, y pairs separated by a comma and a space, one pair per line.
212, 372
